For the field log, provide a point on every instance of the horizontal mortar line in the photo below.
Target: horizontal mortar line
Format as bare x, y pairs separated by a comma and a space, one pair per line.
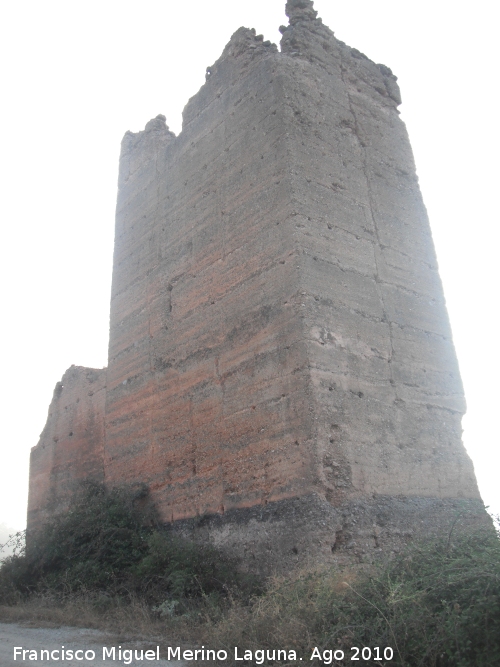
405, 236
373, 383
401, 268
343, 305
235, 287
403, 288
382, 246
377, 320
325, 225
356, 202
329, 187
334, 225
345, 269
337, 375
425, 331
347, 256
346, 349
239, 364
272, 262
432, 406
215, 350
409, 363
434, 394
368, 238
223, 257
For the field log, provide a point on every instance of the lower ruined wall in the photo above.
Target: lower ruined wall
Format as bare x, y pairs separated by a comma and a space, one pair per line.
275, 537
281, 536
71, 446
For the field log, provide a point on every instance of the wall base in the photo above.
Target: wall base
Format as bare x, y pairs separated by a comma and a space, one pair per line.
281, 536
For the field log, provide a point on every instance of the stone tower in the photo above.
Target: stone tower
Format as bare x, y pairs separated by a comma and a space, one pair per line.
281, 368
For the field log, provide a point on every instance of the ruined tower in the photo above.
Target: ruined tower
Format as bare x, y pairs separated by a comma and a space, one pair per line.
281, 369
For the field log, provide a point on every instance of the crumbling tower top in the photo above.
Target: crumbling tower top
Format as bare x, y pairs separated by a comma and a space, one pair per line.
300, 10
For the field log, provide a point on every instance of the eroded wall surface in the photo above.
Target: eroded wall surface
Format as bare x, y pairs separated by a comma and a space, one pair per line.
208, 380
71, 446
281, 368
387, 388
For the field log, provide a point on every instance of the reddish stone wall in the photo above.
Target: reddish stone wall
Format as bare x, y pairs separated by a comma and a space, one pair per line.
71, 445
208, 380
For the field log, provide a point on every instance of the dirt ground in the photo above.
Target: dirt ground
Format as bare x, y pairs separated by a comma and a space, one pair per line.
34, 639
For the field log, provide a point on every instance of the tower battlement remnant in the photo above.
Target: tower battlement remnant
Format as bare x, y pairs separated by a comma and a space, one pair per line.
281, 368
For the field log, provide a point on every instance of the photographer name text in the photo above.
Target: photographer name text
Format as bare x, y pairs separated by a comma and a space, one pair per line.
258, 656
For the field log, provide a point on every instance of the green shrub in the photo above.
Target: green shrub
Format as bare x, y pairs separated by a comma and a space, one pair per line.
92, 545
111, 541
439, 602
436, 605
188, 570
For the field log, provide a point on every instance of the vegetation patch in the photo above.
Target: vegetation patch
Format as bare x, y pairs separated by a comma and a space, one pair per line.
435, 605
107, 562
109, 547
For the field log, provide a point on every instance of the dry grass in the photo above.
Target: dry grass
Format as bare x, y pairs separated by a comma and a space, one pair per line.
281, 617
131, 621
287, 616
438, 603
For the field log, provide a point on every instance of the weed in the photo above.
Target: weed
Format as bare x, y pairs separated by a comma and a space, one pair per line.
110, 543
108, 563
436, 605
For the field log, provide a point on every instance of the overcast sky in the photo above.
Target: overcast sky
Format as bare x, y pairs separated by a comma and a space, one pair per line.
77, 74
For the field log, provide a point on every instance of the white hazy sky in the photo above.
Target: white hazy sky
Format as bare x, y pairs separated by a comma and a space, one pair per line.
77, 74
